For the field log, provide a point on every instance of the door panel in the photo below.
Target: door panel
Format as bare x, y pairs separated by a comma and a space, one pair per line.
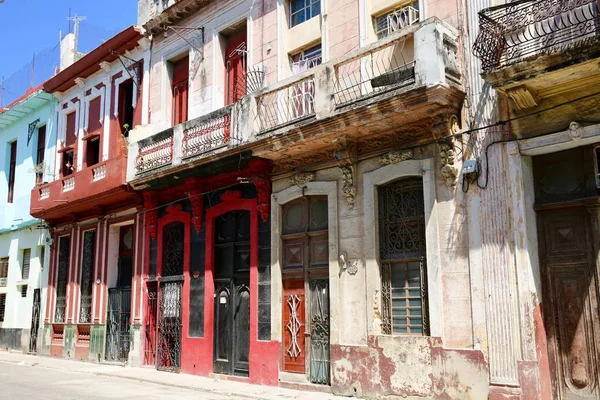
241, 318
35, 321
222, 328
294, 322
570, 302
169, 326
319, 331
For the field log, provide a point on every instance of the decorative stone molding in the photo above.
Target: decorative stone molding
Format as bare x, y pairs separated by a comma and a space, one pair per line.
449, 171
575, 131
394, 157
263, 195
105, 66
80, 82
349, 190
302, 178
522, 97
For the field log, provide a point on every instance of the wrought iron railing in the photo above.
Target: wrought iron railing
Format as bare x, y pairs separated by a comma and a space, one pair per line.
287, 104
155, 151
207, 133
378, 70
516, 31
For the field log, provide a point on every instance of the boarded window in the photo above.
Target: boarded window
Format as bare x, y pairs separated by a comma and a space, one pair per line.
94, 117
2, 306
71, 133
40, 153
402, 254
12, 170
25, 265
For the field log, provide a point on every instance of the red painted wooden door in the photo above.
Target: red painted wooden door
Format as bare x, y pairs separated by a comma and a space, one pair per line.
235, 66
294, 348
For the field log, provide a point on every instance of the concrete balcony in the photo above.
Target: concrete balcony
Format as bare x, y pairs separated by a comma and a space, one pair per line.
83, 192
411, 79
539, 54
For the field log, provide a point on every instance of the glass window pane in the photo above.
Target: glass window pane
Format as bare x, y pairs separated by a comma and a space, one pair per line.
297, 5
318, 214
297, 18
293, 220
414, 302
400, 329
316, 9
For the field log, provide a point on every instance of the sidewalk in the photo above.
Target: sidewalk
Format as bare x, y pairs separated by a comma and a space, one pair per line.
200, 384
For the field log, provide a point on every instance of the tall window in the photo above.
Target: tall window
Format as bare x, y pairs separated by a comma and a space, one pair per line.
40, 153
180, 90
12, 165
68, 164
2, 306
87, 271
303, 10
61, 278
3, 271
126, 110
25, 264
396, 19
402, 255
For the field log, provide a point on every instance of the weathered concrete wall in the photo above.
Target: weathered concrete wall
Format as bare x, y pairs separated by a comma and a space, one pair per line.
404, 366
10, 338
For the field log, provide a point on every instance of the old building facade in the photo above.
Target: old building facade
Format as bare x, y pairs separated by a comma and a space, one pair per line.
375, 198
26, 127
93, 284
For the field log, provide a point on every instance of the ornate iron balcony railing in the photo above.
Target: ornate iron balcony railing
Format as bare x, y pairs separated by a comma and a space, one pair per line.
517, 31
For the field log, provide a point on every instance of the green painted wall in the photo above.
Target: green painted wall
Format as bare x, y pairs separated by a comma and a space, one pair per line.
70, 339
97, 338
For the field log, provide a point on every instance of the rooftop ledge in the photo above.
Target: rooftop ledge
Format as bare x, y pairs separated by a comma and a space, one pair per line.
364, 77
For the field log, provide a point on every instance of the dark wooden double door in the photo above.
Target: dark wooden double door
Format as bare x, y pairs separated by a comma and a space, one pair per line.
569, 241
232, 293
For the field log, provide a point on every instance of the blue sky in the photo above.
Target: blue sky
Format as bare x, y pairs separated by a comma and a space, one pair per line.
32, 26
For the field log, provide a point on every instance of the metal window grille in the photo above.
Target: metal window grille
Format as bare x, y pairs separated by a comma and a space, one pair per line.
3, 271
396, 19
307, 59
303, 10
402, 254
61, 279
2, 306
42, 256
26, 262
87, 270
24, 291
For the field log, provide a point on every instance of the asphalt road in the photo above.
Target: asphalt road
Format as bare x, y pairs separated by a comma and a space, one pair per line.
39, 383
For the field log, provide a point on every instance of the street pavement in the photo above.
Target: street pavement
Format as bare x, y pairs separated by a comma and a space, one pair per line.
45, 378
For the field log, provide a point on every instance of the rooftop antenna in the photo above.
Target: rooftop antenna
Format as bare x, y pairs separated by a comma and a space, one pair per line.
76, 20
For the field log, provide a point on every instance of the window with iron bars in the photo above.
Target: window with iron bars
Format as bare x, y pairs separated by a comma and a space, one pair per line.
402, 250
303, 10
3, 271
25, 264
2, 306
306, 59
399, 17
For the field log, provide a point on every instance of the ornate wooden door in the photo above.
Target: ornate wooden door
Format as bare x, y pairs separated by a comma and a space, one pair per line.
306, 288
568, 256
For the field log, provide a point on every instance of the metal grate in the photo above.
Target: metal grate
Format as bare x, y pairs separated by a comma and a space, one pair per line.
150, 334
396, 19
286, 105
2, 306
169, 327
61, 279
210, 132
377, 71
515, 31
87, 270
402, 252
26, 263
